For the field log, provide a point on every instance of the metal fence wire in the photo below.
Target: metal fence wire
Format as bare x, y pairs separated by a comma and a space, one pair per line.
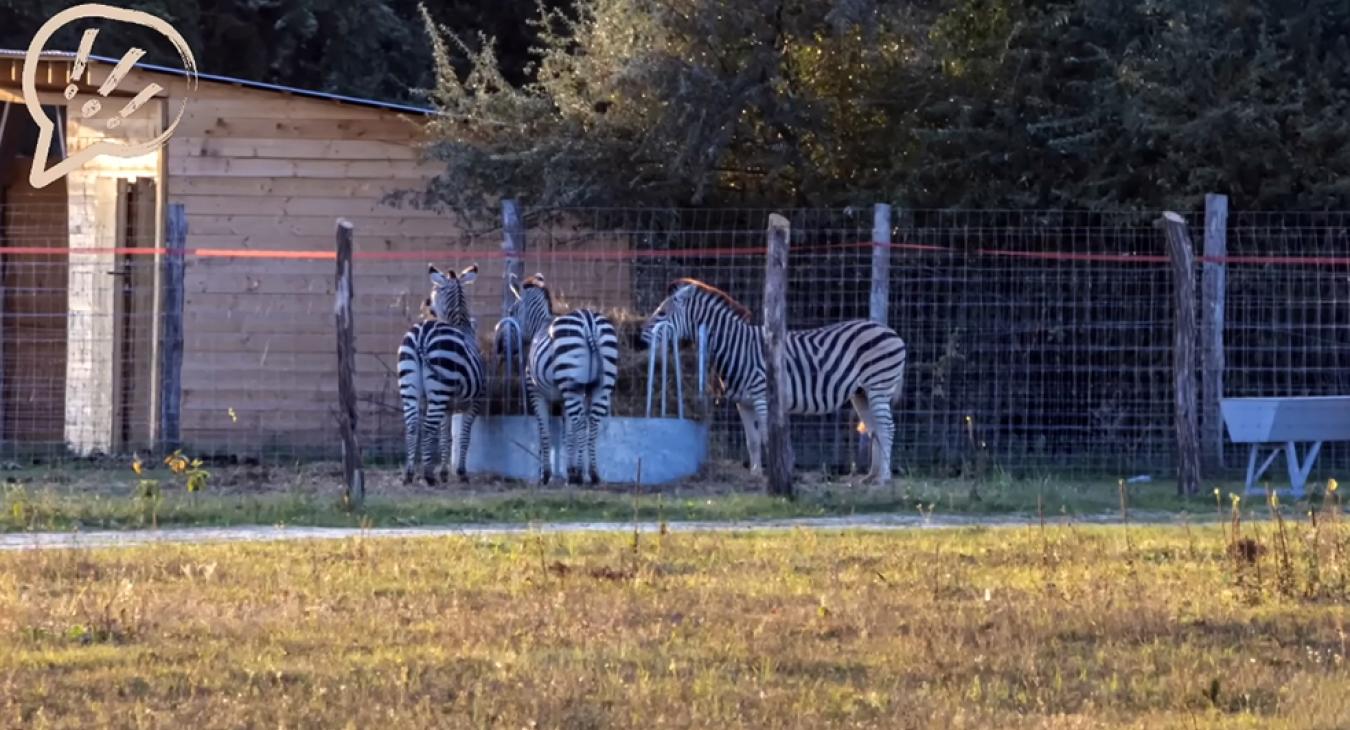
1040, 342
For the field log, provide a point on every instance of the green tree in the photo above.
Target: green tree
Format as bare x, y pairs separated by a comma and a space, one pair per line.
677, 102
1050, 103
372, 48
1122, 103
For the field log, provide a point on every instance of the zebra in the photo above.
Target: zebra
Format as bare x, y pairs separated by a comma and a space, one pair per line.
857, 360
440, 371
574, 358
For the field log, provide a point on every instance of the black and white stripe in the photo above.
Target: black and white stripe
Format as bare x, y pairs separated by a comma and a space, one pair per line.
857, 361
573, 358
440, 372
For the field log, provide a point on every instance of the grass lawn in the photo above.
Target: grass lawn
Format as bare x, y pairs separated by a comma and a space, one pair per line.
1057, 627
115, 498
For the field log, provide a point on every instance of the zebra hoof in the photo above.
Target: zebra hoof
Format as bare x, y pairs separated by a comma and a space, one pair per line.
407, 476
573, 478
463, 475
545, 476
595, 478
430, 479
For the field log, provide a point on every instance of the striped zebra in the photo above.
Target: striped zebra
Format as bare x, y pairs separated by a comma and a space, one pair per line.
859, 361
573, 358
440, 372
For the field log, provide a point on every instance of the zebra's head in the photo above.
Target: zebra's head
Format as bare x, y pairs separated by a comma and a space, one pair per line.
449, 303
533, 308
673, 312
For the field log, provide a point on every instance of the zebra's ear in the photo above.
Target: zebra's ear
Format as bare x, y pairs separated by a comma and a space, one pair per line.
468, 275
437, 278
682, 292
511, 284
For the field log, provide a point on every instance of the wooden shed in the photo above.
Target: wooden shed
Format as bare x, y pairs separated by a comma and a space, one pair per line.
263, 172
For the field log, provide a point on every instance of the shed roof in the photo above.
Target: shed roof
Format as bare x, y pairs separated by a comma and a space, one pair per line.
245, 83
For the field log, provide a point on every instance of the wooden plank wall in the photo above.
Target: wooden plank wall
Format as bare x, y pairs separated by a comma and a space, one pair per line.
265, 171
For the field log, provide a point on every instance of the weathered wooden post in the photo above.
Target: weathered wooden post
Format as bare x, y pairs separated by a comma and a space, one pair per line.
513, 247
513, 273
879, 300
1183, 361
171, 344
1212, 360
354, 481
778, 456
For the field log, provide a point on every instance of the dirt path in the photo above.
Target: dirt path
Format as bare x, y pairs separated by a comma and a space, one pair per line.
202, 535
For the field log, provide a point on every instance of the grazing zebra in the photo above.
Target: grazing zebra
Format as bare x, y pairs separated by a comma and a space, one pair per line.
440, 372
858, 360
573, 358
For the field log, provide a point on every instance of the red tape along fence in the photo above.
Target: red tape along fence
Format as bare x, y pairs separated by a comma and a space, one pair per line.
1040, 342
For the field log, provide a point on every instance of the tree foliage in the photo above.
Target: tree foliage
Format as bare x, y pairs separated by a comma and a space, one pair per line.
371, 48
1109, 103
1057, 103
676, 101
932, 103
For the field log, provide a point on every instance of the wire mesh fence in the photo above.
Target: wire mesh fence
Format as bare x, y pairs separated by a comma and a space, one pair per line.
1040, 341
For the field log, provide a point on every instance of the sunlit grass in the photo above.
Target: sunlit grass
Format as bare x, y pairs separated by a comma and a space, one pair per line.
1061, 626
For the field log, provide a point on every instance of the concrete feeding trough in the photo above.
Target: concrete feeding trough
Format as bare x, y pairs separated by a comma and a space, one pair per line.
670, 449
1284, 423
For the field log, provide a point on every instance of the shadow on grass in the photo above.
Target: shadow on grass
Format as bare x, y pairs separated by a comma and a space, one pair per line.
69, 500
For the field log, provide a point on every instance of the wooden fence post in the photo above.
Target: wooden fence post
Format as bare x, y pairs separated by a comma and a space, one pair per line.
1183, 360
171, 346
778, 456
1213, 295
880, 300
354, 481
513, 247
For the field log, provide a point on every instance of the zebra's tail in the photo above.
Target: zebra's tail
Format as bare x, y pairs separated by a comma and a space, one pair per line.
593, 355
899, 380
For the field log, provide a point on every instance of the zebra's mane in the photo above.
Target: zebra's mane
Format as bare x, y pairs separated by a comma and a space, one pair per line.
739, 309
535, 281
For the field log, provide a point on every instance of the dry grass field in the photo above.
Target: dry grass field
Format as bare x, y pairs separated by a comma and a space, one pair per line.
1060, 626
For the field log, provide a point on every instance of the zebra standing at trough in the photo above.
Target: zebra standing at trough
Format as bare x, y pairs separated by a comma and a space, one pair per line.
440, 372
825, 368
573, 358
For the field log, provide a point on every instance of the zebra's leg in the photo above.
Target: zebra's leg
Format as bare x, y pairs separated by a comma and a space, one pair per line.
753, 445
466, 420
864, 409
599, 411
574, 405
430, 439
540, 407
412, 425
883, 437
445, 432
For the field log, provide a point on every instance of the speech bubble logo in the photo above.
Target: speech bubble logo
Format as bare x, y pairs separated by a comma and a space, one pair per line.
40, 175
